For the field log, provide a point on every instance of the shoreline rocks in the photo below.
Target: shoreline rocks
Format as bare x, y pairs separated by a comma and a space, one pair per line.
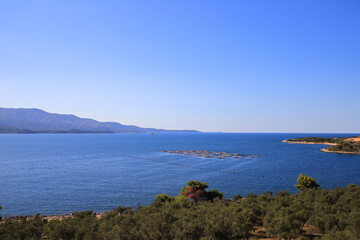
326, 150
338, 152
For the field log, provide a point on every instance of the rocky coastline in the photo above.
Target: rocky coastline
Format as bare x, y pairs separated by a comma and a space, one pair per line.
339, 152
299, 142
338, 145
45, 217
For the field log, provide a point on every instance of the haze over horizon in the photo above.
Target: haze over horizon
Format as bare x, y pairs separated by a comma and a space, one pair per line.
249, 66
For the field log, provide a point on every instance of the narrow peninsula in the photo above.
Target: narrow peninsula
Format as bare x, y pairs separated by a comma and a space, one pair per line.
349, 145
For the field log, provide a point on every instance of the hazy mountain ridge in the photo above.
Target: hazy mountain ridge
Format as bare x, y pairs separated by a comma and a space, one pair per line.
32, 120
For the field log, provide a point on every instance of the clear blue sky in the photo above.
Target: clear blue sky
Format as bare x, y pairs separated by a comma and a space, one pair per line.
233, 66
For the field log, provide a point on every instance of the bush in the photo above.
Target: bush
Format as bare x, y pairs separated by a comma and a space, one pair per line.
305, 182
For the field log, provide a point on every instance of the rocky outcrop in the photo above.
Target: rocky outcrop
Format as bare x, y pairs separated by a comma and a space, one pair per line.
209, 154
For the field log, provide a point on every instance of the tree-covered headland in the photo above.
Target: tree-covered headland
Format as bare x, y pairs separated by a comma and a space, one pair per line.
312, 213
340, 145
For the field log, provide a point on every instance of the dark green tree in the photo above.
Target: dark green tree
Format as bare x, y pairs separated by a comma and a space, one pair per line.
236, 198
305, 182
210, 196
282, 223
162, 199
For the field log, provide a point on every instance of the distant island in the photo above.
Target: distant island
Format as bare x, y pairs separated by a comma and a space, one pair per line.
209, 154
32, 120
350, 145
28, 131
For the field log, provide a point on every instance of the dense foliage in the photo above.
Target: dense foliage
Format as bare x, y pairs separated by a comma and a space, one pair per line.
313, 212
316, 140
351, 147
195, 191
305, 182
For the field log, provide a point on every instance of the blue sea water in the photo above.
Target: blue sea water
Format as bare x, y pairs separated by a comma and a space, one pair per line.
64, 173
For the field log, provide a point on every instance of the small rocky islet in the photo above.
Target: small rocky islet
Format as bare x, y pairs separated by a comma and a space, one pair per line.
209, 154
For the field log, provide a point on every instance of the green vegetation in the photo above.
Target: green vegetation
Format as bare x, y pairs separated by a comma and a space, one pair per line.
344, 145
305, 182
162, 199
313, 212
317, 140
349, 147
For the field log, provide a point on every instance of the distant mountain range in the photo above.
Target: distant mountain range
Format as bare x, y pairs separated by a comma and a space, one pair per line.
32, 120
